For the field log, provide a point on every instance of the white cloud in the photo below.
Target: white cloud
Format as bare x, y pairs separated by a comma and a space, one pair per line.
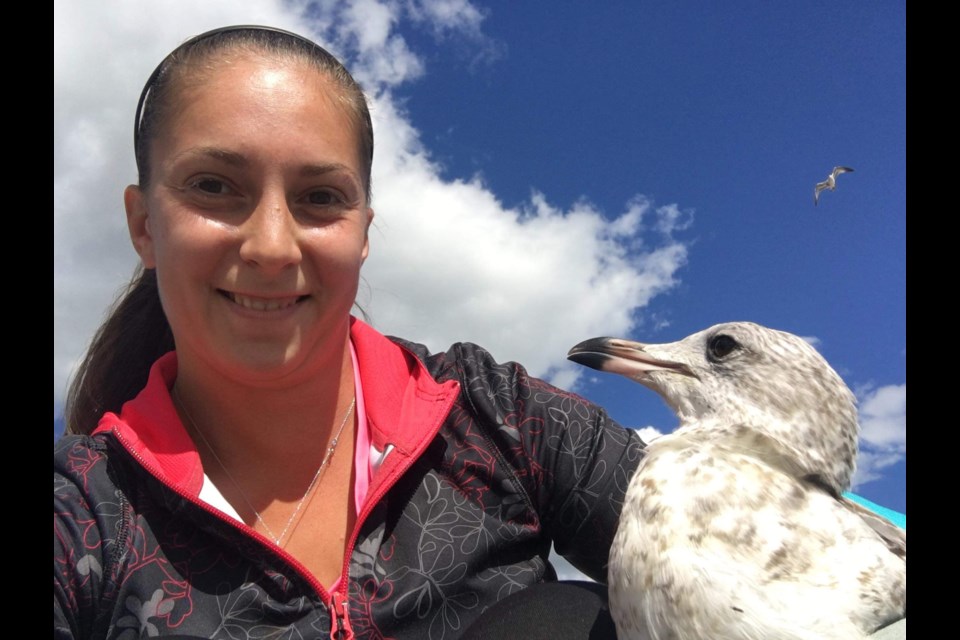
527, 283
381, 58
447, 16
448, 260
671, 218
457, 25
883, 417
648, 434
883, 430
870, 466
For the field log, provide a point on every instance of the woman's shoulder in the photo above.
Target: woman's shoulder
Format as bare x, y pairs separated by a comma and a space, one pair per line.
73, 453
83, 470
458, 352
92, 520
500, 387
454, 362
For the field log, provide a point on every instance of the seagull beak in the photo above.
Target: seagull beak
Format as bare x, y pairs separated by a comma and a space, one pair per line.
624, 357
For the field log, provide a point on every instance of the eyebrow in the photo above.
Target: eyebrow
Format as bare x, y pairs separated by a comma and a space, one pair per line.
235, 159
324, 168
228, 157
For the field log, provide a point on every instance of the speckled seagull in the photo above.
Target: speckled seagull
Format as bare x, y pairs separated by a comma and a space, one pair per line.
830, 183
734, 525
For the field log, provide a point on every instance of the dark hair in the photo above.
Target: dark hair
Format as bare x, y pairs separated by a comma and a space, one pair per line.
121, 353
136, 332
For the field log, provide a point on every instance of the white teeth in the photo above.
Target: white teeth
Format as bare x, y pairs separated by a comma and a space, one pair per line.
263, 304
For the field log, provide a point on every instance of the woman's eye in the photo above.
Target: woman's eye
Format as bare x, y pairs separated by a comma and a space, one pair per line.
323, 198
721, 346
211, 186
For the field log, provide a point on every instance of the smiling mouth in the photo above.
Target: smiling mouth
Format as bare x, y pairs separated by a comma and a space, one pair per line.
262, 304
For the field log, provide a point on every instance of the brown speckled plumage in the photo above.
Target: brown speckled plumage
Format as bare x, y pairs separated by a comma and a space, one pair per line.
734, 525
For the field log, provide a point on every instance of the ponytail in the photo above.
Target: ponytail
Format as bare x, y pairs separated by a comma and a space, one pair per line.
117, 364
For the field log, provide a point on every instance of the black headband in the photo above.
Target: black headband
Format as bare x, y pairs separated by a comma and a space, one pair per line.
203, 36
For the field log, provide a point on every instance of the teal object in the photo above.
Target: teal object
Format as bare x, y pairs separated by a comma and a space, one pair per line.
899, 519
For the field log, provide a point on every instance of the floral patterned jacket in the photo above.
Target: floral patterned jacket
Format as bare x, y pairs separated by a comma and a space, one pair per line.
484, 467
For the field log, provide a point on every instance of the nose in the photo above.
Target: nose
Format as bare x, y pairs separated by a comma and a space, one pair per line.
271, 236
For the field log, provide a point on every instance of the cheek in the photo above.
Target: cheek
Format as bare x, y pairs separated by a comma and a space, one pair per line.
340, 266
169, 252
181, 233
183, 253
343, 250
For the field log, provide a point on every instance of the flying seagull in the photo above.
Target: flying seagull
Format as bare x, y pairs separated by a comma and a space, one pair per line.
734, 525
830, 183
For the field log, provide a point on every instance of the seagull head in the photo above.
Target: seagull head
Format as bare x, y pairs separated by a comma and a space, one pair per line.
740, 374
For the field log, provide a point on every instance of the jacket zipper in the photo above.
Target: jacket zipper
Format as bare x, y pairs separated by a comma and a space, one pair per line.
340, 628
124, 531
336, 602
374, 498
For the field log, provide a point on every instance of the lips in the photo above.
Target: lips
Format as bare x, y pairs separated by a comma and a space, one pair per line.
262, 304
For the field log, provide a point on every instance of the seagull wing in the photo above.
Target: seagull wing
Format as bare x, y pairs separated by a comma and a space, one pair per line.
838, 170
893, 536
817, 189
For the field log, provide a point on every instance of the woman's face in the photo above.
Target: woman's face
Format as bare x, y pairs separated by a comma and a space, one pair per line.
255, 219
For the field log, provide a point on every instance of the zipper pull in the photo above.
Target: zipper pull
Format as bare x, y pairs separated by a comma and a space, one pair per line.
381, 457
339, 618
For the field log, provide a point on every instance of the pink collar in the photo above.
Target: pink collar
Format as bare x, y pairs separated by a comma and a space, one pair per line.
402, 406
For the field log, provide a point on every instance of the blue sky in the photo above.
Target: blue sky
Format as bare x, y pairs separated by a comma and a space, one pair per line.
550, 172
733, 111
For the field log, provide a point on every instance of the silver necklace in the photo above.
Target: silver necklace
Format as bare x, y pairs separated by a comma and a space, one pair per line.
316, 476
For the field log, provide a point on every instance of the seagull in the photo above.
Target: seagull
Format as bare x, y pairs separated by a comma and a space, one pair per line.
734, 526
830, 183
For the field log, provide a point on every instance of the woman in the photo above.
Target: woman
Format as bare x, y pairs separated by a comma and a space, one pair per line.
253, 461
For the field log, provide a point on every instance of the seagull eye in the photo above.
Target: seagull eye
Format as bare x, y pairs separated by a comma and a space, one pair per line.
721, 346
